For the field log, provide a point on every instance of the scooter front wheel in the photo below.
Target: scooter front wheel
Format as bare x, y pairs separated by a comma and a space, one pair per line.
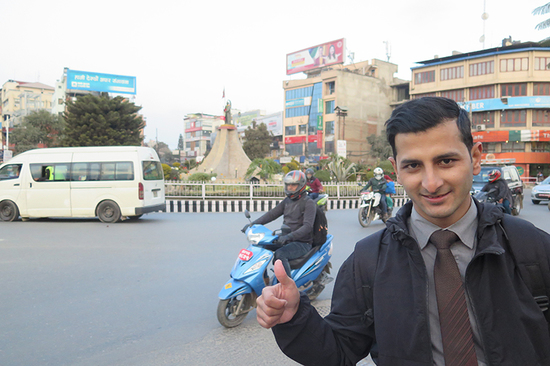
231, 312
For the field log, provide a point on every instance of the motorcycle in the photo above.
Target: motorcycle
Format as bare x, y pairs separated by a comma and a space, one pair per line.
253, 271
487, 197
370, 210
321, 200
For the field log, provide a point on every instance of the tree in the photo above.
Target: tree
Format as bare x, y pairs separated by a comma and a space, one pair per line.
380, 147
180, 142
102, 121
164, 152
38, 129
544, 9
257, 142
267, 167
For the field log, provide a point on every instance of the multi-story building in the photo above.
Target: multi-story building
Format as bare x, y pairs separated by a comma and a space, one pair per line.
339, 103
198, 130
506, 91
19, 99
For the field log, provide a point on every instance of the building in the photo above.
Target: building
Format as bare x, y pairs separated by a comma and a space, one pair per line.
62, 94
339, 102
506, 91
19, 99
198, 130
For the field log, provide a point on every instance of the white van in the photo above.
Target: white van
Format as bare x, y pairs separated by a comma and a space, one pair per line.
107, 182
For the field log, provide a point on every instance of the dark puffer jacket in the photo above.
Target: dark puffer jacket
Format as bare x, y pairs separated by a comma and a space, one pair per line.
512, 327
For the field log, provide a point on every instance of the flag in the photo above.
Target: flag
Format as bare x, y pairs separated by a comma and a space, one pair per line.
223, 95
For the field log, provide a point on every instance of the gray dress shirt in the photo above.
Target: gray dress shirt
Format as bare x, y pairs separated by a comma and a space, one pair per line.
421, 230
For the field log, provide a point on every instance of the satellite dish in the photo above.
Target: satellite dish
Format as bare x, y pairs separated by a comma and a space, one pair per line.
482, 38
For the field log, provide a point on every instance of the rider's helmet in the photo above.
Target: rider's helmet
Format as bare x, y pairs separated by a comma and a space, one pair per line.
378, 173
494, 175
309, 173
295, 177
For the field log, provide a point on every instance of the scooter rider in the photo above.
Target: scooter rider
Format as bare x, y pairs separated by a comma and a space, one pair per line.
378, 184
298, 211
313, 183
501, 192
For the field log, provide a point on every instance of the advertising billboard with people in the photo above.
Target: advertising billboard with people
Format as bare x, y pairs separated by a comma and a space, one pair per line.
325, 54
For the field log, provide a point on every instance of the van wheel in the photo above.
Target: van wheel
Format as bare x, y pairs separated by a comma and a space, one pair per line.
108, 212
8, 211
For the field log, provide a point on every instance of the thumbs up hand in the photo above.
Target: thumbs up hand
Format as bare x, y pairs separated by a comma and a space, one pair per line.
279, 303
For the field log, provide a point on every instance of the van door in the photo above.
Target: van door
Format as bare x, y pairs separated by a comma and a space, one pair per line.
153, 183
49, 191
10, 182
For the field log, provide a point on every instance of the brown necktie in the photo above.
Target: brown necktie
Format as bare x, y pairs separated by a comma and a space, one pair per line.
456, 332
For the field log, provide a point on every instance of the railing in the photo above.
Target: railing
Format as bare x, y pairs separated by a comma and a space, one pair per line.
256, 191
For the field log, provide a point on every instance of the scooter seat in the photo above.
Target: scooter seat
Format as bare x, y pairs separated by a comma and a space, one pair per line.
300, 261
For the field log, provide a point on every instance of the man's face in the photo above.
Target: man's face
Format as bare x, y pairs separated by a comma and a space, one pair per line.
292, 187
436, 170
309, 176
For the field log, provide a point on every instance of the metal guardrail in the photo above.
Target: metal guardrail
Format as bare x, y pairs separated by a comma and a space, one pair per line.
257, 191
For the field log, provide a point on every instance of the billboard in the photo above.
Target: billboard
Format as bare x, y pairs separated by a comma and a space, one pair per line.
274, 123
93, 81
325, 54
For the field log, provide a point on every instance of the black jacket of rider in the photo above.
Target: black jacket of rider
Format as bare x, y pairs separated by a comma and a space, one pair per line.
512, 327
378, 185
501, 190
299, 215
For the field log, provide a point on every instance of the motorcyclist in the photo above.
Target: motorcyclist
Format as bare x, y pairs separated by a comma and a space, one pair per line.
498, 190
298, 211
378, 184
314, 184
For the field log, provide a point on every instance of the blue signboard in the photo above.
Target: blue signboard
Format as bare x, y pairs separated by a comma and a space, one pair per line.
298, 102
507, 103
93, 81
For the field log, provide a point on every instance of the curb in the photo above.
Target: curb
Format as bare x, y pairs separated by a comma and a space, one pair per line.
254, 206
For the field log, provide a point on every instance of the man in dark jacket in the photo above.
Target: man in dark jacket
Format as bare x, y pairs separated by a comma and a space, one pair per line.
442, 235
298, 212
498, 190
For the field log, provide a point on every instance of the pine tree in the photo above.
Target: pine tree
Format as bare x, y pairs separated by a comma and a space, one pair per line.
102, 121
257, 142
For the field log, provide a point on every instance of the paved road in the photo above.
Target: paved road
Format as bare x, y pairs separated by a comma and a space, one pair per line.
79, 292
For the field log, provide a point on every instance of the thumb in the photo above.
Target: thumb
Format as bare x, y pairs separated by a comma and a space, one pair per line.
281, 275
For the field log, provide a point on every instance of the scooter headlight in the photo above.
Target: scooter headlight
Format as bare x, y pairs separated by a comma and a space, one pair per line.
255, 267
254, 238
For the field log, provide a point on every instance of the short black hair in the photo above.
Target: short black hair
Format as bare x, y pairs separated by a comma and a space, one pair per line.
419, 115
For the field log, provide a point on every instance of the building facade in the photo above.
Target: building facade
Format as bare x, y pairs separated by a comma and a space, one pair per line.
506, 91
339, 103
199, 128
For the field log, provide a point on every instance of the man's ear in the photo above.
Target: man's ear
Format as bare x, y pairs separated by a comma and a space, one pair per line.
394, 164
477, 149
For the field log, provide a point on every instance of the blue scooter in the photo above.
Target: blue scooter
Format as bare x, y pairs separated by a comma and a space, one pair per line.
253, 271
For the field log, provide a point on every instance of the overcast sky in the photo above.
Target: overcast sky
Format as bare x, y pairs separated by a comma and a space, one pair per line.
184, 53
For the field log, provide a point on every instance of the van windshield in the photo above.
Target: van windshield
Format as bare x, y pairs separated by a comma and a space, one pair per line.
152, 170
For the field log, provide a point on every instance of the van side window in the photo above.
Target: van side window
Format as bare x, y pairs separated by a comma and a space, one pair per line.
10, 171
50, 172
103, 171
124, 171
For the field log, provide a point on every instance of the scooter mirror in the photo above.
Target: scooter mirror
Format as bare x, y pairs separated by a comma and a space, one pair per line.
247, 214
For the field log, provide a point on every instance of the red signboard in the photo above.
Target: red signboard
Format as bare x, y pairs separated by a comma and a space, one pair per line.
319, 139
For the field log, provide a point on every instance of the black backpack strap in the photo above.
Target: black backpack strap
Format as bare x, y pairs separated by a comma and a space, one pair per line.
365, 264
530, 259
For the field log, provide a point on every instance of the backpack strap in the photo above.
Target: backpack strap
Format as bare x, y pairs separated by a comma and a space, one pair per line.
365, 263
529, 257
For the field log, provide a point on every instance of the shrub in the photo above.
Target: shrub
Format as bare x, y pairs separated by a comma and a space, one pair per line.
323, 175
200, 177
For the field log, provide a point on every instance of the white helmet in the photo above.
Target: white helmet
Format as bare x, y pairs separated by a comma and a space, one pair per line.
378, 173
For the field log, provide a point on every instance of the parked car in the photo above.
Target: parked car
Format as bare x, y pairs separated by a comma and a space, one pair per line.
511, 175
541, 191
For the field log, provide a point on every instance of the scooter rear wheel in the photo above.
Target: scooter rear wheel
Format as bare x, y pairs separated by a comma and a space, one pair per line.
227, 308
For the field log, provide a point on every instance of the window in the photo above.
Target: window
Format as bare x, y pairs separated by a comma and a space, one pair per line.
513, 118
188, 145
303, 129
488, 147
482, 68
152, 170
513, 90
541, 88
514, 64
424, 77
541, 118
449, 73
313, 149
482, 92
457, 95
329, 147
50, 172
329, 106
299, 93
294, 149
290, 130
483, 118
329, 128
10, 171
330, 87
513, 146
540, 146
297, 111
542, 63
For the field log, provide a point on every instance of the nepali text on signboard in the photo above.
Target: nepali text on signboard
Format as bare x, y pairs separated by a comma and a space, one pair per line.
93, 81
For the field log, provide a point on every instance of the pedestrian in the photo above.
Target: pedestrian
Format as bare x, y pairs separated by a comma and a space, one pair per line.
445, 289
